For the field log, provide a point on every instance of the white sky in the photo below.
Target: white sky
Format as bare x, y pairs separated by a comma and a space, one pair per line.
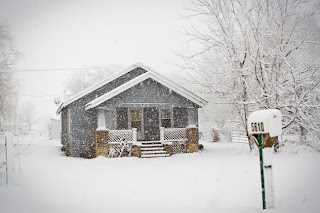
85, 33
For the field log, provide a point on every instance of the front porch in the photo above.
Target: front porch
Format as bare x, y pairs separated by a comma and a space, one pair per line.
125, 143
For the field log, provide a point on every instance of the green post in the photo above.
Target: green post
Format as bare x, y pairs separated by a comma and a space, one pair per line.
262, 173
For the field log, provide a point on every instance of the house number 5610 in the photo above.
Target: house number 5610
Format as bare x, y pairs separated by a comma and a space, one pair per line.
257, 127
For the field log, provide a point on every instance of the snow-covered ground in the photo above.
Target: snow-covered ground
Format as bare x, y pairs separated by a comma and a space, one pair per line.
224, 177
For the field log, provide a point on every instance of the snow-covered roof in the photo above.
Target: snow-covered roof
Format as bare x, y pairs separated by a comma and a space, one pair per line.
101, 84
156, 75
152, 75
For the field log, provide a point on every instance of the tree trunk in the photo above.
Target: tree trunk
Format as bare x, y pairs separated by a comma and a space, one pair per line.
303, 135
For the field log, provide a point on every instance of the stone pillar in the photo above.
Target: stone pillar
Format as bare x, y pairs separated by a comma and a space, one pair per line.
168, 148
136, 151
101, 143
192, 140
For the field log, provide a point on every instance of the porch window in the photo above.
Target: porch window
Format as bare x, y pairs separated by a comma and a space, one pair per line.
136, 119
166, 118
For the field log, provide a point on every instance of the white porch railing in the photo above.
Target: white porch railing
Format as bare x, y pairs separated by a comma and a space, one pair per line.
117, 136
173, 134
121, 142
169, 134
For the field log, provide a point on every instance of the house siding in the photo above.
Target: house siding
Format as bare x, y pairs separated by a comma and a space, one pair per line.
151, 123
84, 123
149, 93
180, 117
122, 118
64, 126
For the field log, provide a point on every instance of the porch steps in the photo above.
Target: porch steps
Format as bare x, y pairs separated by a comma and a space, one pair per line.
153, 149
155, 155
155, 152
151, 145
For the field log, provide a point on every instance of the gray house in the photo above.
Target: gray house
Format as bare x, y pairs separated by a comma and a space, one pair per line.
136, 112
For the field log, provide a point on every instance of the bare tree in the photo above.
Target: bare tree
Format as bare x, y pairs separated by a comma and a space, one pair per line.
80, 80
259, 54
8, 84
27, 114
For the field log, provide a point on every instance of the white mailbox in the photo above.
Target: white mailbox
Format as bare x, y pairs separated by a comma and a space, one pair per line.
265, 121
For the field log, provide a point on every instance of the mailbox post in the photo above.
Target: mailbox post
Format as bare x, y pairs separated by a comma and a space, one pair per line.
262, 171
266, 126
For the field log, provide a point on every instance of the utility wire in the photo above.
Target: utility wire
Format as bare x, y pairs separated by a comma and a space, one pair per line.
50, 70
39, 96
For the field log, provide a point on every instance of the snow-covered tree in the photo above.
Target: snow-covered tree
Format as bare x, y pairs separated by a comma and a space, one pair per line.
8, 84
259, 54
80, 80
27, 114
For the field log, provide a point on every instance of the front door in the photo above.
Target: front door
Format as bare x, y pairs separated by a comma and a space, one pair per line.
136, 121
151, 123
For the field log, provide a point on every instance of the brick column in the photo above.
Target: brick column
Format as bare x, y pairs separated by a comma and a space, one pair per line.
192, 142
101, 143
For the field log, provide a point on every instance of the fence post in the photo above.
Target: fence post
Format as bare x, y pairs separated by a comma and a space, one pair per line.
161, 133
9, 159
18, 154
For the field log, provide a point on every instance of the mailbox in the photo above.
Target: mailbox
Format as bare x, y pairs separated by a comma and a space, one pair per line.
266, 126
265, 122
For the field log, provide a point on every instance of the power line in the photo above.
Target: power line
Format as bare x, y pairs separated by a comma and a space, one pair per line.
53, 69
39, 96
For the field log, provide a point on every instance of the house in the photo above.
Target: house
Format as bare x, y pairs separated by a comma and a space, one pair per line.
54, 129
134, 112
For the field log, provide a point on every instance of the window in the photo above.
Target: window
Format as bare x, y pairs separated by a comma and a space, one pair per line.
166, 120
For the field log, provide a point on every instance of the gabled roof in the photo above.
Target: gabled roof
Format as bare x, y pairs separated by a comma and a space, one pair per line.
155, 76
152, 75
102, 83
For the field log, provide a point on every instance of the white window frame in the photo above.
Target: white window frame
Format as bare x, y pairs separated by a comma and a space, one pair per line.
171, 116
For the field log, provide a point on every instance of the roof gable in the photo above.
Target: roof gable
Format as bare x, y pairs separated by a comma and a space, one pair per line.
152, 75
102, 83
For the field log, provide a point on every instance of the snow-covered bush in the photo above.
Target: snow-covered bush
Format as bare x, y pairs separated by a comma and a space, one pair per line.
123, 149
215, 135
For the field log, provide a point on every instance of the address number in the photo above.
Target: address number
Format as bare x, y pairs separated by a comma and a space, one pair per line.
257, 127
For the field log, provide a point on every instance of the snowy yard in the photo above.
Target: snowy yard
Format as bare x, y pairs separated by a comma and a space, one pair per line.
223, 178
